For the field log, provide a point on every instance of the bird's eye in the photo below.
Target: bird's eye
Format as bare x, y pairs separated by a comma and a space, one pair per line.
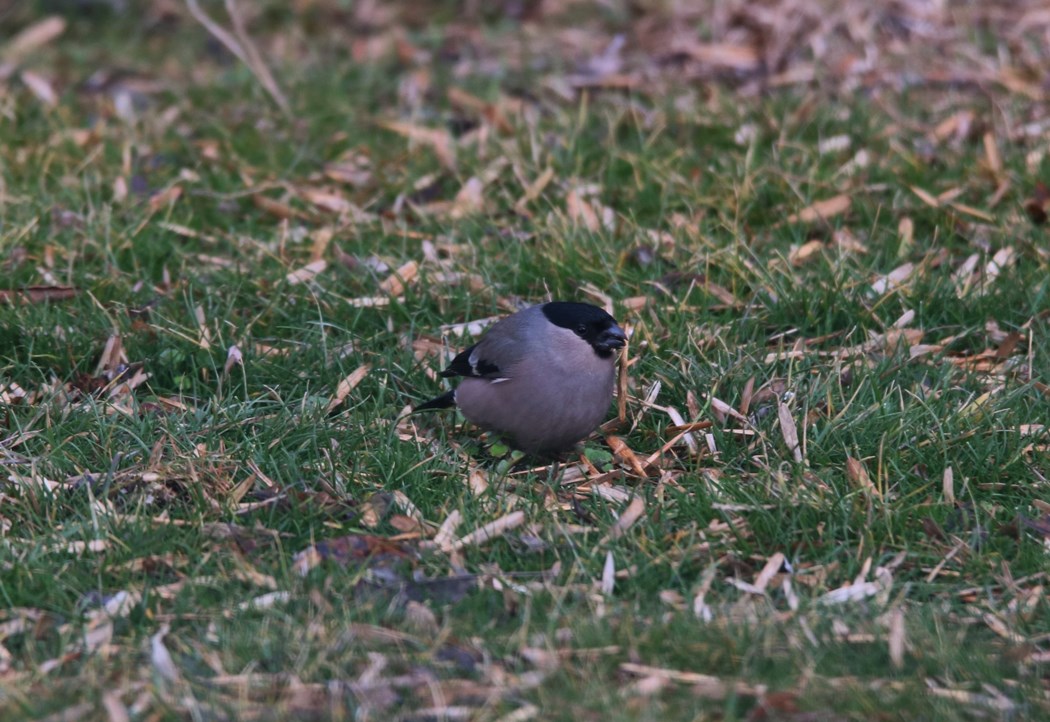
581, 330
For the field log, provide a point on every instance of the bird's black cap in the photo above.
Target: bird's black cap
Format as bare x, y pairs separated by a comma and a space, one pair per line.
590, 323
570, 315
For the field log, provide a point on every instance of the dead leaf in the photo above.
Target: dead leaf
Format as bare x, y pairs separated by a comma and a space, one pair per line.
233, 358
347, 385
627, 519
468, 200
165, 198
307, 272
32, 37
857, 473
395, 283
274, 207
535, 189
894, 279
354, 168
440, 141
789, 431
726, 55
40, 87
992, 156
39, 294
807, 251
822, 210
608, 584
580, 212
327, 200
926, 197
490, 531
160, 657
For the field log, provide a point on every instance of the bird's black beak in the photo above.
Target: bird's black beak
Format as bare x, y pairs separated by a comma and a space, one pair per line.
610, 338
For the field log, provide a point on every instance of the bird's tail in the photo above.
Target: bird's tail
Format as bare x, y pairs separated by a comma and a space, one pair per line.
444, 401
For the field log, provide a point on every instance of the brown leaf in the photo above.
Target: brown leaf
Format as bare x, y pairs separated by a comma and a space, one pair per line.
395, 283
307, 272
40, 87
354, 168
580, 212
326, 200
822, 210
534, 190
789, 430
992, 156
857, 473
274, 207
726, 55
347, 385
36, 35
469, 200
234, 357
490, 531
39, 294
627, 519
164, 198
626, 454
926, 197
806, 252
440, 141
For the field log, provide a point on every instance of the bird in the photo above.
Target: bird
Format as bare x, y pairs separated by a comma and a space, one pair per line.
542, 377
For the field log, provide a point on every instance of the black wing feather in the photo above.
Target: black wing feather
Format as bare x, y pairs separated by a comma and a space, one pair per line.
444, 401
461, 366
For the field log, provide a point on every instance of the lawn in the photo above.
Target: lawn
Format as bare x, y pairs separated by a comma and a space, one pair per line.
239, 241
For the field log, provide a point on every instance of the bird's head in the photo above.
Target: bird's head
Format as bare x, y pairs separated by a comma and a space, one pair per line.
590, 323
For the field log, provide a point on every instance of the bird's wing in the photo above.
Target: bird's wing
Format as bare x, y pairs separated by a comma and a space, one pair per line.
473, 364
494, 356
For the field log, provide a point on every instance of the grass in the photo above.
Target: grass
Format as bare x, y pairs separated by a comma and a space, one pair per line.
209, 487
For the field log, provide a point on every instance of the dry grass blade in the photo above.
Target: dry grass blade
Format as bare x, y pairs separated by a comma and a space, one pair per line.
534, 190
242, 47
490, 531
